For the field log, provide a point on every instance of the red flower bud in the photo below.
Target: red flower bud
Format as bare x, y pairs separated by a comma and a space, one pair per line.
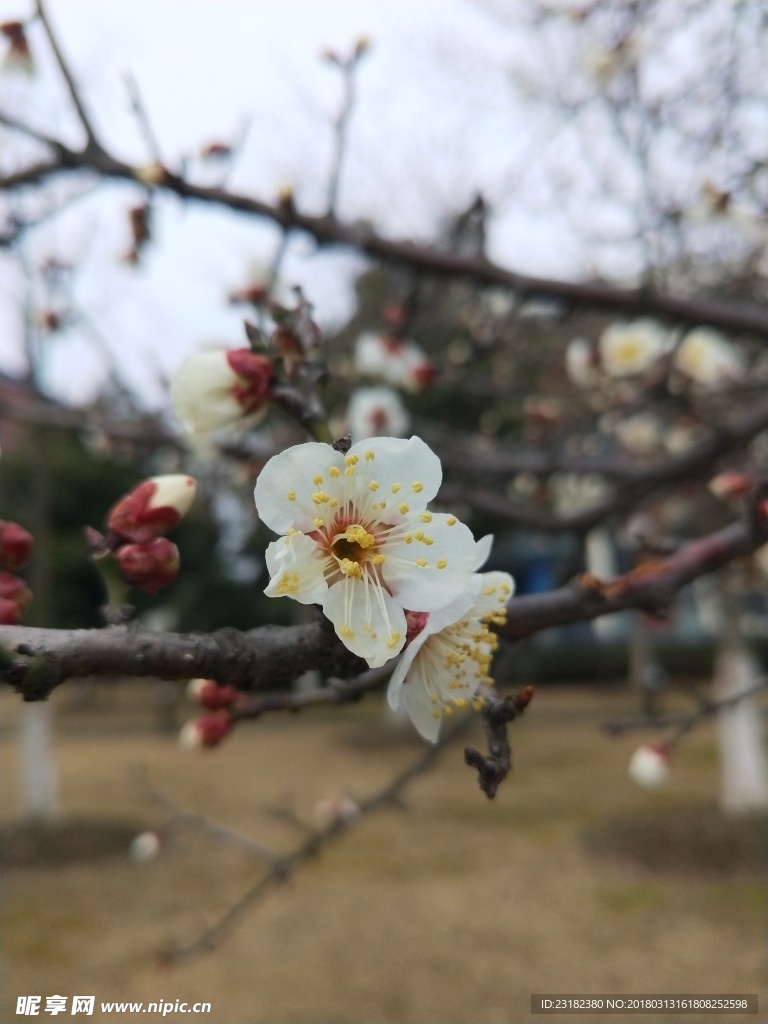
152, 508
10, 613
207, 731
14, 589
149, 566
525, 697
255, 377
209, 694
214, 150
16, 546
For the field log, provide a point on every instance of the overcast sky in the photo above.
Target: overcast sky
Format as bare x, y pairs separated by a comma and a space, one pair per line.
435, 121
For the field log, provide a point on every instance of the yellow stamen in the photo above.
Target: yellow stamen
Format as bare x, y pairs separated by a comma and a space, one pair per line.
402, 507
417, 486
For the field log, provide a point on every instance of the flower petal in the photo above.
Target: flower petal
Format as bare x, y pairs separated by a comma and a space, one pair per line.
289, 486
408, 469
369, 622
296, 569
483, 550
427, 563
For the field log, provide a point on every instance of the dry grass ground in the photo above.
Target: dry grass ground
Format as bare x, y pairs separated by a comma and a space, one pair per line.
455, 909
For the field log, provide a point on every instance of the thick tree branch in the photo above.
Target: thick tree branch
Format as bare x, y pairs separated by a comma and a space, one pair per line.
651, 586
35, 661
41, 659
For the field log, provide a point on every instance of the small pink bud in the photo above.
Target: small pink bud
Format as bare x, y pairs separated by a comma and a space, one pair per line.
149, 566
17, 546
649, 766
525, 697
14, 589
152, 508
145, 846
338, 810
206, 731
731, 484
209, 694
415, 622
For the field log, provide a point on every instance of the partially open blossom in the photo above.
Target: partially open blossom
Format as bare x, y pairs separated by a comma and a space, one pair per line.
206, 731
376, 412
215, 389
209, 694
359, 540
153, 507
15, 594
16, 546
394, 360
649, 766
450, 654
629, 349
151, 565
708, 359
145, 846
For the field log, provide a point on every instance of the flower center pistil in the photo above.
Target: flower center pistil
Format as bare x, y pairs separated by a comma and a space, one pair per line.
354, 547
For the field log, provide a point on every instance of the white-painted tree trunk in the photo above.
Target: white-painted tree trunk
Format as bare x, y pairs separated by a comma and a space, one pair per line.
601, 561
743, 760
39, 775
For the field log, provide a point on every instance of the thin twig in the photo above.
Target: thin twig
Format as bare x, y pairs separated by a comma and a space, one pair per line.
286, 865
93, 145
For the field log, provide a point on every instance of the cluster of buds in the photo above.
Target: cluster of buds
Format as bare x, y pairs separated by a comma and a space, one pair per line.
210, 729
136, 528
16, 548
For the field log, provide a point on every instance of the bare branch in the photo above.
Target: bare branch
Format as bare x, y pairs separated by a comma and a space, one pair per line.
316, 839
92, 144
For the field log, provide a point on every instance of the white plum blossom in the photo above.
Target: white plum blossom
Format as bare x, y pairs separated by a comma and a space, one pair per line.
359, 540
708, 359
396, 361
376, 412
216, 388
649, 766
629, 349
448, 659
